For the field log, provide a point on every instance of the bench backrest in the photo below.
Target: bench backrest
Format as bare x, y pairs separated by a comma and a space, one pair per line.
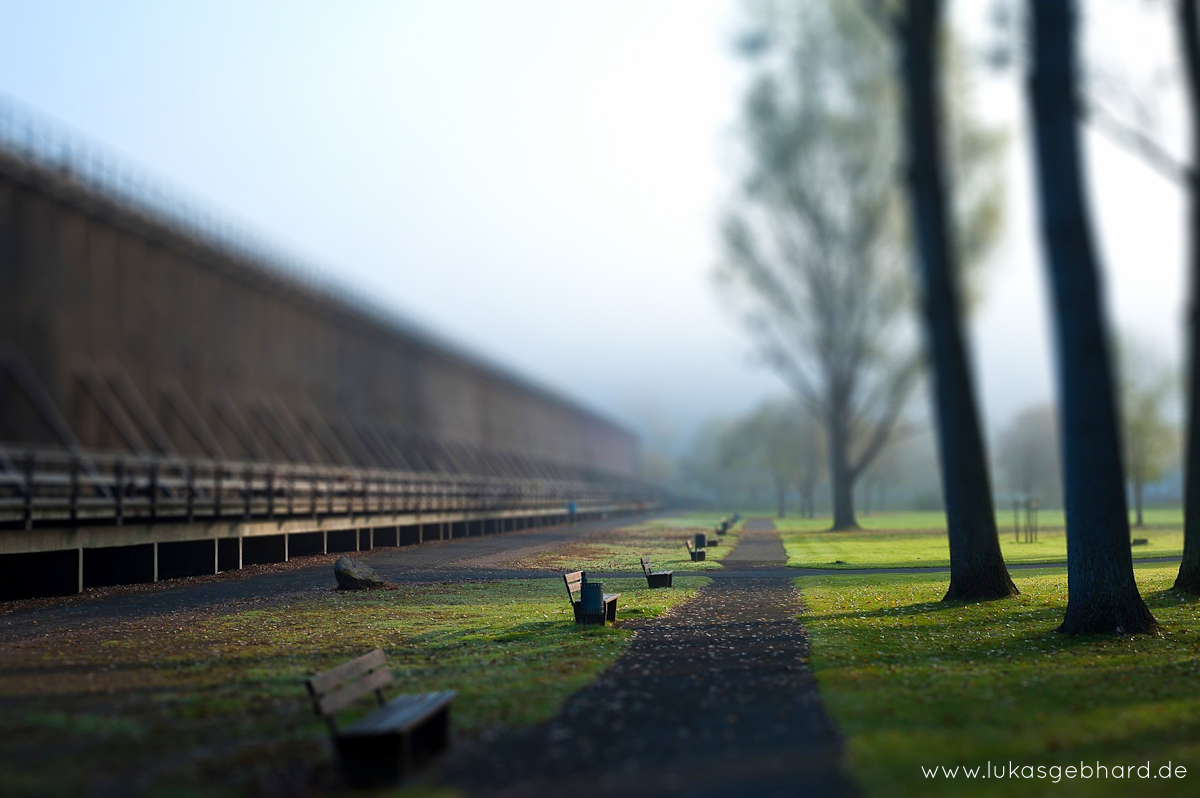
688, 543
336, 689
574, 582
646, 566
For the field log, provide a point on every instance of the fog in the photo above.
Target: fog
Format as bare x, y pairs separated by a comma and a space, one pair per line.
543, 182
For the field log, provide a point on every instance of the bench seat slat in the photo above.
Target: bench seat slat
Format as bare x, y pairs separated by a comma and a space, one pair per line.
401, 714
349, 692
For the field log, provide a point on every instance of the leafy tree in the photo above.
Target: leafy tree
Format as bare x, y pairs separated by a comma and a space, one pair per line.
1146, 386
1101, 592
703, 473
815, 240
1028, 455
782, 442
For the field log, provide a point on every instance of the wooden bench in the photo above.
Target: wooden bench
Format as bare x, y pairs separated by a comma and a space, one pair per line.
388, 743
696, 554
655, 578
574, 581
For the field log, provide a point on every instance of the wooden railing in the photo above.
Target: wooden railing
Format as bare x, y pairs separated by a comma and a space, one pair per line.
56, 488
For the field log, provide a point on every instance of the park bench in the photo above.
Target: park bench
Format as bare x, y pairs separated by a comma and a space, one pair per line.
695, 553
608, 606
655, 578
397, 736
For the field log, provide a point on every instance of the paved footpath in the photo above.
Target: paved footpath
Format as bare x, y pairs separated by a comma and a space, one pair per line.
712, 699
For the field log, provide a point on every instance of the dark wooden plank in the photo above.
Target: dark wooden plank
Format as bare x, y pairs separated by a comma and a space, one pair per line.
328, 680
401, 714
347, 693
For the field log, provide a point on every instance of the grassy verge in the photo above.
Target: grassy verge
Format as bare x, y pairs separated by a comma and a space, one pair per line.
936, 520
213, 702
915, 682
915, 548
619, 550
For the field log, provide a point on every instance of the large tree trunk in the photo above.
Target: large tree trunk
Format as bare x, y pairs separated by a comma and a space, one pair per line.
841, 473
1188, 579
1102, 595
977, 568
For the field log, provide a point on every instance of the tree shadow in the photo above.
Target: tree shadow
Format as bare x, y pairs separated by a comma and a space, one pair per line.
920, 608
1168, 597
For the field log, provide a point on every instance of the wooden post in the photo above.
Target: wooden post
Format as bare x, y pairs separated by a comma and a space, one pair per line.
217, 494
119, 469
247, 482
190, 490
153, 491
312, 496
28, 512
75, 507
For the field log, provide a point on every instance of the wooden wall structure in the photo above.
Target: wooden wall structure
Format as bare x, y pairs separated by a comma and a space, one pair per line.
123, 331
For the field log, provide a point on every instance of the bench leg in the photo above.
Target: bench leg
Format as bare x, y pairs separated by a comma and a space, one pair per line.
431, 736
610, 611
372, 761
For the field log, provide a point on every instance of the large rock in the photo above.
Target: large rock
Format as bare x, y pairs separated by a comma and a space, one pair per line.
355, 575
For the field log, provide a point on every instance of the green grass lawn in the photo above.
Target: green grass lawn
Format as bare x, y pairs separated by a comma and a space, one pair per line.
916, 682
619, 550
913, 540
213, 702
936, 520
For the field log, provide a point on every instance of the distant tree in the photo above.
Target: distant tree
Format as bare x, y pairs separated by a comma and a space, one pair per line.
1150, 440
977, 568
782, 442
703, 474
815, 242
1027, 455
1102, 595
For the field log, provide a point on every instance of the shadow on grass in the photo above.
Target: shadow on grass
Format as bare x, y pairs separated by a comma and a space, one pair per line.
1169, 597
920, 608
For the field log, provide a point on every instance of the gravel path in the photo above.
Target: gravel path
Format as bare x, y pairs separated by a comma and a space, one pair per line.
712, 699
462, 559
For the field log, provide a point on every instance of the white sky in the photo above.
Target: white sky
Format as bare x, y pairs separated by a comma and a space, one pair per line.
540, 181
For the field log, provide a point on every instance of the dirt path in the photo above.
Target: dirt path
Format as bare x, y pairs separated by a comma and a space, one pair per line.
713, 699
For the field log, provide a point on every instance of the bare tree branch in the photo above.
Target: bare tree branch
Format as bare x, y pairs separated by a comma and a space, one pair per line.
1136, 142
